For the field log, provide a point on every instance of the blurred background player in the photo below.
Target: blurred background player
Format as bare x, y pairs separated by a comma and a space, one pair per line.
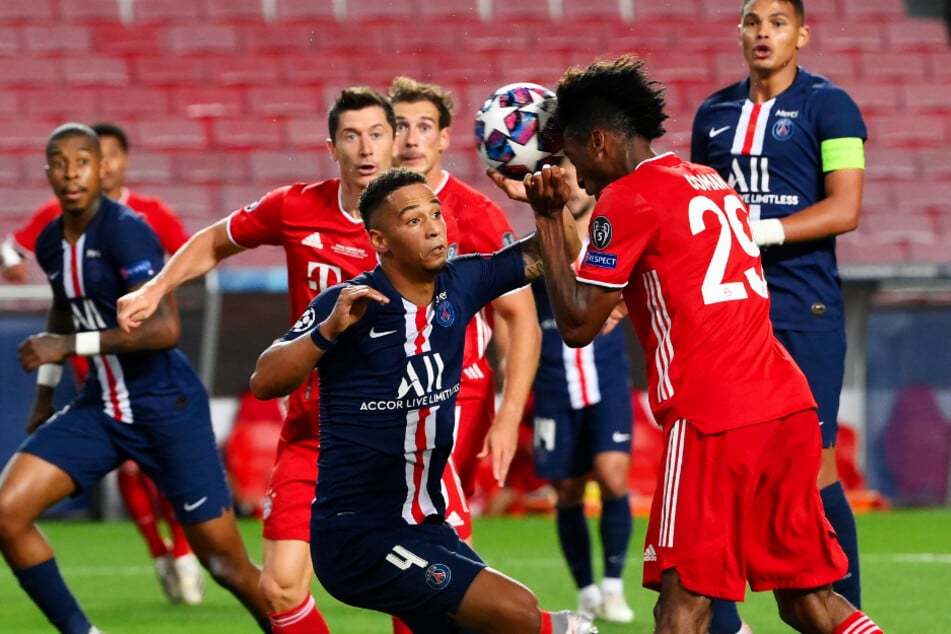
325, 243
389, 345
141, 400
791, 143
736, 502
583, 418
424, 119
176, 566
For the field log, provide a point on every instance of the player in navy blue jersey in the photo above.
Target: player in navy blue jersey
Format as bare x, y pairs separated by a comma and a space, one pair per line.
141, 400
583, 418
389, 347
791, 143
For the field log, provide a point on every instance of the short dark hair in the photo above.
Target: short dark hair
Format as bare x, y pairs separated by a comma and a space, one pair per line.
371, 198
797, 7
68, 130
105, 128
617, 95
358, 98
407, 90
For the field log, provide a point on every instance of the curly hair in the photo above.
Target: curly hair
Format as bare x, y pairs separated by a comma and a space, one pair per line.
371, 198
617, 95
407, 90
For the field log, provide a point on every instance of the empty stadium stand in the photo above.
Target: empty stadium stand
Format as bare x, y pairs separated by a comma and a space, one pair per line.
225, 99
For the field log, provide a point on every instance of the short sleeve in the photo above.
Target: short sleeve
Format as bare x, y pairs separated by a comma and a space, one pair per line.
25, 237
260, 222
838, 116
622, 226
136, 249
317, 311
488, 277
699, 152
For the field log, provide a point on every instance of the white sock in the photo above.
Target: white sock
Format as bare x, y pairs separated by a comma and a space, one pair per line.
612, 585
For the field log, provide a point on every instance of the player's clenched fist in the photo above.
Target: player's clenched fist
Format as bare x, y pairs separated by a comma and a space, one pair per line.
547, 191
350, 307
42, 348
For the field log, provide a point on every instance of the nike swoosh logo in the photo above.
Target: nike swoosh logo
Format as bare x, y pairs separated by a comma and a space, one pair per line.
619, 437
376, 335
194, 505
54, 275
715, 131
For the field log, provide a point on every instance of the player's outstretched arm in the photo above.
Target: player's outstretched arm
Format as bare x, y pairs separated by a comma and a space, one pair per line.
158, 332
199, 255
285, 364
580, 309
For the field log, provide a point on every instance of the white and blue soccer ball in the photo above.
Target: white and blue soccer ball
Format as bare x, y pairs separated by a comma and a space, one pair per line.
514, 130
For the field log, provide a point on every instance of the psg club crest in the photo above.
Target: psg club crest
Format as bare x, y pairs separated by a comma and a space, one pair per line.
438, 576
601, 232
783, 129
445, 313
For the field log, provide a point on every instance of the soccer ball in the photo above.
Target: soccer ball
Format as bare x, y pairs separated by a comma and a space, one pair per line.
514, 131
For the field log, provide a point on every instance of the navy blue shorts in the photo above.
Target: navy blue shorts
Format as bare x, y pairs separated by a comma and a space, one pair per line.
418, 573
567, 440
821, 356
178, 452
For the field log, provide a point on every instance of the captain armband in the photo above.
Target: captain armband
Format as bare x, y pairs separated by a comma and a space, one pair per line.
844, 153
49, 374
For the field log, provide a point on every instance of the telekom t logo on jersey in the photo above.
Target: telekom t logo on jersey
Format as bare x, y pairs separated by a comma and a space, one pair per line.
321, 276
423, 375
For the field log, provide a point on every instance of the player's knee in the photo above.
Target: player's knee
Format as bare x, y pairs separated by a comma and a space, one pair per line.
282, 594
12, 518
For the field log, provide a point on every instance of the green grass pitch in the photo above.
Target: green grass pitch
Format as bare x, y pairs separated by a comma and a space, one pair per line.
906, 570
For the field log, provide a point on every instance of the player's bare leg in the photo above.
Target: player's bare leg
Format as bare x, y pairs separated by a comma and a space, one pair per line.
821, 610
679, 610
499, 604
28, 486
287, 573
221, 551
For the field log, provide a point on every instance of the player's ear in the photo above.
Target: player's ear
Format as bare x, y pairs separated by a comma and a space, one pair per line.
332, 149
445, 134
804, 33
378, 241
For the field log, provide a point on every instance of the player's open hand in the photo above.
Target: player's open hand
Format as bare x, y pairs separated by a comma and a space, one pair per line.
513, 189
547, 191
350, 308
501, 442
42, 348
135, 307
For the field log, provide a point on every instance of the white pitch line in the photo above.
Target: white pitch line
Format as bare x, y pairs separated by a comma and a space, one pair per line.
909, 558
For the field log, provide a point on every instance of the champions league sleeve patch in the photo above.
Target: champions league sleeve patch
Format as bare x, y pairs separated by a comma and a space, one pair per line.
601, 232
306, 321
139, 269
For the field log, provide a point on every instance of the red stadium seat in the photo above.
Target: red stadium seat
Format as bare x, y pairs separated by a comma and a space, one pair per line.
238, 196
150, 167
171, 133
130, 102
874, 97
291, 101
90, 10
368, 10
57, 38
189, 201
205, 38
907, 226
935, 98
935, 164
851, 248
379, 71
289, 38
307, 132
80, 106
597, 11
163, 70
725, 11
31, 71
18, 202
213, 101
288, 166
20, 12
168, 11
126, 39
225, 11
305, 10
335, 69
710, 37
850, 37
924, 195
686, 10
541, 69
248, 133
201, 168
904, 67
455, 10
890, 164
246, 70
10, 171
885, 10
96, 71
903, 130
9, 105
840, 67
917, 35
26, 135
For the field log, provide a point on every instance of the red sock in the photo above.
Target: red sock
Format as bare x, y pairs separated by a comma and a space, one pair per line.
180, 546
546, 622
858, 623
304, 619
399, 627
138, 501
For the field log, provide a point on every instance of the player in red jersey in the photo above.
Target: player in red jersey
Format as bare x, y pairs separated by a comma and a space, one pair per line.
176, 566
737, 499
325, 242
423, 120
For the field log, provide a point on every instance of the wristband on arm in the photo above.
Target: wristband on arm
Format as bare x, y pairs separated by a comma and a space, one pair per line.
49, 374
322, 342
767, 232
9, 254
87, 343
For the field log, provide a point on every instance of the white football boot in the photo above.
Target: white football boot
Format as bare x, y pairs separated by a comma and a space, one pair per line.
165, 570
589, 600
191, 579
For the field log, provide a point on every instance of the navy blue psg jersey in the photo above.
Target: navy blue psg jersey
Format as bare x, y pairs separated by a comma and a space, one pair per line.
117, 252
573, 378
388, 390
776, 154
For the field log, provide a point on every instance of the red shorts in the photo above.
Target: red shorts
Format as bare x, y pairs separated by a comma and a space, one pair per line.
739, 506
290, 493
475, 411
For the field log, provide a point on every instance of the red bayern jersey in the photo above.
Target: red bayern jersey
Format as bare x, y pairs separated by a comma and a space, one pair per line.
482, 228
170, 230
324, 245
676, 238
